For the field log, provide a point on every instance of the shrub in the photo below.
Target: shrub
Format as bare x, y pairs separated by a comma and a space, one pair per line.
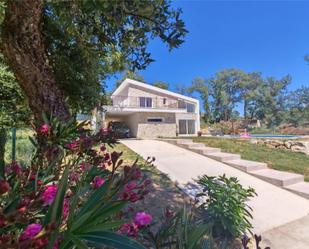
71, 194
177, 230
225, 204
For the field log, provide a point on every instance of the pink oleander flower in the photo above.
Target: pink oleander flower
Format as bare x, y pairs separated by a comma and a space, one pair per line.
16, 168
49, 194
30, 232
97, 182
129, 229
130, 186
142, 219
66, 208
74, 177
85, 166
44, 129
4, 187
73, 145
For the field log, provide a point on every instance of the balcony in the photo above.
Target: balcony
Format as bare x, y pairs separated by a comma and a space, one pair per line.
131, 103
148, 102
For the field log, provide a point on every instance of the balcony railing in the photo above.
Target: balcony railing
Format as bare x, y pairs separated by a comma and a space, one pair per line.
148, 102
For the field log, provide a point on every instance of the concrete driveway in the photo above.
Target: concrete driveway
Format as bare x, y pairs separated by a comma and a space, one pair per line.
273, 208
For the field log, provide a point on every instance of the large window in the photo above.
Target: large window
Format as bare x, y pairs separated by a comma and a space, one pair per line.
186, 126
145, 102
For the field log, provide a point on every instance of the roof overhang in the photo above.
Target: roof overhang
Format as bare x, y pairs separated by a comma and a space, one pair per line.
128, 82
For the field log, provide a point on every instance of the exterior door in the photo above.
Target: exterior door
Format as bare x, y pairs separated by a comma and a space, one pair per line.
186, 126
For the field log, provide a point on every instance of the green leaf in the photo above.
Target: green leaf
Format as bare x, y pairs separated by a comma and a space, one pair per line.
76, 241
54, 213
196, 234
111, 239
94, 199
108, 225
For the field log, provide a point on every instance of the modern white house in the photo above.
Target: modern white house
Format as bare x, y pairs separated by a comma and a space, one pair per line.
150, 111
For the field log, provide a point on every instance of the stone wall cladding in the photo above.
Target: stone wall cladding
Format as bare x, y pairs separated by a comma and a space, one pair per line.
156, 130
292, 145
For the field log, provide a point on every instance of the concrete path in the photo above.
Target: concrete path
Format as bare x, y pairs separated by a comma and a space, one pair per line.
272, 208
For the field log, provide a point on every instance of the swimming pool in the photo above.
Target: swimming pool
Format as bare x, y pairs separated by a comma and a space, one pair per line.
269, 136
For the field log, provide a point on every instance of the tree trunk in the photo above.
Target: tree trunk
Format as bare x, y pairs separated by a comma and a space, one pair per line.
23, 47
245, 109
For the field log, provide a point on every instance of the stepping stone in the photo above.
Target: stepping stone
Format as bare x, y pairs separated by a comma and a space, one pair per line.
205, 150
246, 165
221, 156
279, 178
196, 146
184, 141
301, 188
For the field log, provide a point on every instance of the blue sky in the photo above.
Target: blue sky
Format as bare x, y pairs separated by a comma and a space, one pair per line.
271, 37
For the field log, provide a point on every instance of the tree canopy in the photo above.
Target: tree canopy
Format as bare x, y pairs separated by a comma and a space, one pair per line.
80, 44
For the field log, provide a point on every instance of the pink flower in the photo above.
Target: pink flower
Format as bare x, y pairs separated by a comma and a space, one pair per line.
16, 168
73, 145
142, 219
30, 232
85, 166
44, 129
103, 148
49, 194
97, 182
129, 229
130, 186
74, 177
66, 208
4, 187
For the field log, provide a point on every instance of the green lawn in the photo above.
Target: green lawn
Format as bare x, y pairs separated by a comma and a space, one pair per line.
275, 158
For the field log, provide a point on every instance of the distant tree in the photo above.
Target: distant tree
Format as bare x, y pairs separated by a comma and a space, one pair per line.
200, 86
133, 75
298, 106
224, 90
272, 100
181, 89
69, 47
161, 84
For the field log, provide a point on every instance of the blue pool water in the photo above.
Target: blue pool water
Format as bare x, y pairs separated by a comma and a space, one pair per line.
270, 136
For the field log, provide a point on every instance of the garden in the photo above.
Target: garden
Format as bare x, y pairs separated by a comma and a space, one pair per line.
65, 186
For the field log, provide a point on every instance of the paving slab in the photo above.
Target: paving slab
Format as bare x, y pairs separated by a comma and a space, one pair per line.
279, 178
273, 207
222, 156
246, 165
301, 188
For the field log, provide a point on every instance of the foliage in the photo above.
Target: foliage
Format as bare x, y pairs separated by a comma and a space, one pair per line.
262, 98
133, 75
199, 85
71, 195
161, 84
226, 206
12, 101
89, 40
177, 230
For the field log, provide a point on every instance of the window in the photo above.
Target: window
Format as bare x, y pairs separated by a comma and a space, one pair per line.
145, 102
155, 120
164, 101
186, 126
190, 107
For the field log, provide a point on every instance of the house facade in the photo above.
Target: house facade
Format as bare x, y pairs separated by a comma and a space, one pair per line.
151, 112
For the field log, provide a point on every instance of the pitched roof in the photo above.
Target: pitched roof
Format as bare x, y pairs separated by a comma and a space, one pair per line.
128, 82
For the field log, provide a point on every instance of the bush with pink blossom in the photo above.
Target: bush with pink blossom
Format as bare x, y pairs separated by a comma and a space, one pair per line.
72, 193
